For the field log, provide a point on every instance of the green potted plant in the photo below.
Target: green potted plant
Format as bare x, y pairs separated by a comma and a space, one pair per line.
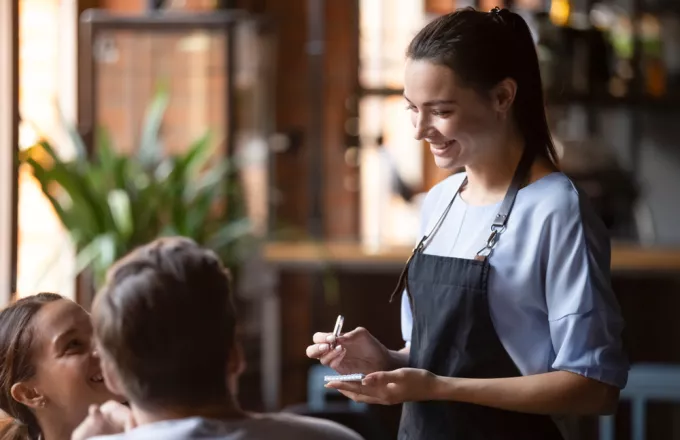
111, 202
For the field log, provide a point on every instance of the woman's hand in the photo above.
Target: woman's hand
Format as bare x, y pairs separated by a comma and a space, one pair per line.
556, 392
354, 352
107, 419
390, 388
118, 414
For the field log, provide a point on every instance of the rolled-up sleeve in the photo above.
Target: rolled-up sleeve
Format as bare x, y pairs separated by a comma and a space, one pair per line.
406, 319
585, 320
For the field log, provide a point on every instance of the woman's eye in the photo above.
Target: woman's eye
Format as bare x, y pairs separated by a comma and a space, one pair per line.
74, 345
411, 107
441, 112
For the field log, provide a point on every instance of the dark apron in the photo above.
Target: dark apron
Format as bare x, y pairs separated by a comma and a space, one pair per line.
453, 336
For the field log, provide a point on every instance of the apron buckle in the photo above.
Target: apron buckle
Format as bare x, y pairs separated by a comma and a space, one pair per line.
484, 252
493, 238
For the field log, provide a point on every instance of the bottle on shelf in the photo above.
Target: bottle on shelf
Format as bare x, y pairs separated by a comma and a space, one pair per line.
653, 67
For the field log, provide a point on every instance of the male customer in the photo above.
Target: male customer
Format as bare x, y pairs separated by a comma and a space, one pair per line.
165, 326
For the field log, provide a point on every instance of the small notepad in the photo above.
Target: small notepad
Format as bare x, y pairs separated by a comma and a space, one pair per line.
345, 378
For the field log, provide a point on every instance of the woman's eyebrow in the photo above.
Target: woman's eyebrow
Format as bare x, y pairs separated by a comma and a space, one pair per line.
435, 102
64, 335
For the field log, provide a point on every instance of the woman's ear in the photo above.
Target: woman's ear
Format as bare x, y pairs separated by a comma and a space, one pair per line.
503, 95
25, 394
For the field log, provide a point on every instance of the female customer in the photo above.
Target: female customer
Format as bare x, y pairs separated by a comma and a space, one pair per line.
49, 373
507, 313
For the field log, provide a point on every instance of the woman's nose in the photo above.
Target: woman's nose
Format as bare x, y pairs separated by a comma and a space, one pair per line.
94, 350
420, 126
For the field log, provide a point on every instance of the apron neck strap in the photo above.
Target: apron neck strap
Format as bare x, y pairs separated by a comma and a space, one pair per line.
500, 221
497, 227
518, 180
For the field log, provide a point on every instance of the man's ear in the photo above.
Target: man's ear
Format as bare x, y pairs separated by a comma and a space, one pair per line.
503, 95
27, 395
235, 366
111, 377
237, 360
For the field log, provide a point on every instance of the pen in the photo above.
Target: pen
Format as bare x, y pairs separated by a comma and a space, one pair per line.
337, 329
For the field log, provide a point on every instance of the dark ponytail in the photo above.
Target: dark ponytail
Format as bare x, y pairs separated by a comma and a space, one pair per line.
16, 364
484, 48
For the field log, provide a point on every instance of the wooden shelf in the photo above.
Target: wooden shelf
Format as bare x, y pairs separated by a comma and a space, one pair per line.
354, 256
671, 102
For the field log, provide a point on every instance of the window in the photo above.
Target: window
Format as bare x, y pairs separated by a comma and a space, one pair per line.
388, 147
8, 21
386, 133
47, 38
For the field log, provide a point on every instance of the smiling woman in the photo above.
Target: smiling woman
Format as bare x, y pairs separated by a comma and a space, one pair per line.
508, 315
49, 374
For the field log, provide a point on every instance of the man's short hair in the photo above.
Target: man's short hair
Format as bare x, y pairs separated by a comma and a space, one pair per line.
165, 319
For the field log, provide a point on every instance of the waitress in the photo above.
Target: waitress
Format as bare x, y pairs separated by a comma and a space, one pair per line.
508, 314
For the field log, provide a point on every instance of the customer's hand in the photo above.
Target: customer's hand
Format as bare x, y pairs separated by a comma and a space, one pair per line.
118, 414
110, 418
354, 352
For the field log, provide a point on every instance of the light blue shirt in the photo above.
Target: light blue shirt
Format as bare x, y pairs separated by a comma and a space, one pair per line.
280, 426
549, 289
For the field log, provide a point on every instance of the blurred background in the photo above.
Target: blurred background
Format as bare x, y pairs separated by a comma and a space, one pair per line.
274, 132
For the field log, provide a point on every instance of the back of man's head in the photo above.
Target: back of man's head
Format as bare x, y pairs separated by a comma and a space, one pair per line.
165, 322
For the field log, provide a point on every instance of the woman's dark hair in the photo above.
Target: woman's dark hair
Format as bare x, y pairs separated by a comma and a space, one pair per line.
16, 363
484, 48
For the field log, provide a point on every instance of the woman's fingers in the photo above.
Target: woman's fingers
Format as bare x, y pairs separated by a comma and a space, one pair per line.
324, 352
320, 337
361, 398
332, 356
383, 378
335, 359
317, 350
329, 338
352, 387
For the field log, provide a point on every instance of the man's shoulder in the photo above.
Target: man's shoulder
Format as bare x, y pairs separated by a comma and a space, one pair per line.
308, 427
259, 426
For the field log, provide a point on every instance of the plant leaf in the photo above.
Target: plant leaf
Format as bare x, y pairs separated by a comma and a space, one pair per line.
229, 233
119, 203
197, 155
100, 254
80, 184
149, 148
73, 134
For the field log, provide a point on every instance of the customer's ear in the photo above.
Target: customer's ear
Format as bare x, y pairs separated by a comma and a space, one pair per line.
26, 394
112, 378
237, 360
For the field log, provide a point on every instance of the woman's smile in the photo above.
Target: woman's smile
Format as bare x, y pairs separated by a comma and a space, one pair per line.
442, 149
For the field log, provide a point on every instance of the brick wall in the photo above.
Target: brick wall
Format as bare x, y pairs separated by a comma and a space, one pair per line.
127, 75
292, 113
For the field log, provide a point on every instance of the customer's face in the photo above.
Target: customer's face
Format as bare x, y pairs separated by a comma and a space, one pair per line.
68, 373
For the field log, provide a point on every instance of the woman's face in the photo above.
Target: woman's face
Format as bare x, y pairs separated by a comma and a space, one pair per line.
68, 374
461, 126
